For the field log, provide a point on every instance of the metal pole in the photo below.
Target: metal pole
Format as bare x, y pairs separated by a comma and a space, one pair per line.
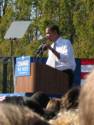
4, 89
11, 62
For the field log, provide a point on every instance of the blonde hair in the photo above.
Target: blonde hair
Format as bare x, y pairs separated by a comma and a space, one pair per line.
70, 117
16, 115
54, 105
86, 104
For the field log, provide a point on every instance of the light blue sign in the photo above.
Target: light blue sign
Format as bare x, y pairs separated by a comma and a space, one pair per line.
22, 67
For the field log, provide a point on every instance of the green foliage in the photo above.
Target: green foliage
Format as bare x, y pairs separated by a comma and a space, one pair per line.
5, 48
5, 21
23, 8
84, 22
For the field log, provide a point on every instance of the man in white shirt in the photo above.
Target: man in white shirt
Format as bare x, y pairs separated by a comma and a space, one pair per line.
60, 54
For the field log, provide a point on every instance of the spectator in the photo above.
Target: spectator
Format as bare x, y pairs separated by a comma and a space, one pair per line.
71, 99
18, 115
86, 104
37, 102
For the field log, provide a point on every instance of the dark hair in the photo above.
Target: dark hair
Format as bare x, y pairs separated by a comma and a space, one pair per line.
37, 102
71, 99
54, 28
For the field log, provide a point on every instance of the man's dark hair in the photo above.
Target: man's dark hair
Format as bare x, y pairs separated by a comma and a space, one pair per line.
54, 28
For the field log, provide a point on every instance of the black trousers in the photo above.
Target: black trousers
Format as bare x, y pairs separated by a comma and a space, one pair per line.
71, 76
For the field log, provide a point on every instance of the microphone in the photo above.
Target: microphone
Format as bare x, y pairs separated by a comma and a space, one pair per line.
41, 49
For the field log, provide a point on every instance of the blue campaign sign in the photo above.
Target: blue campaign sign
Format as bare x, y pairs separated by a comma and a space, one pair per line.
22, 67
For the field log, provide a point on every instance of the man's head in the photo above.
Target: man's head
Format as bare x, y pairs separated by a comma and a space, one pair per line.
52, 32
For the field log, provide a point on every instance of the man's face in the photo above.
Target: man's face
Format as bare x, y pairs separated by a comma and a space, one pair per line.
50, 34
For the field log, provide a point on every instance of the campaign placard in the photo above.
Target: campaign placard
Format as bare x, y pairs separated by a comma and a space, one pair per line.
22, 67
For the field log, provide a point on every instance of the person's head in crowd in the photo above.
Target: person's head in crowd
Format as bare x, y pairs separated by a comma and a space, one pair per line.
37, 102
11, 114
40, 98
52, 108
71, 99
67, 117
54, 105
32, 105
14, 100
86, 101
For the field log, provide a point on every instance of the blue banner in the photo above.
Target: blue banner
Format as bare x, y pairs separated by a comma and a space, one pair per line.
22, 67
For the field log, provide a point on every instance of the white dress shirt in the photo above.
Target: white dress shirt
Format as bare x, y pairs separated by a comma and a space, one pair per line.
67, 60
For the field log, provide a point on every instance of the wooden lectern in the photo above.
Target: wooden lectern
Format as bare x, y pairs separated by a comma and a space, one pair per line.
43, 78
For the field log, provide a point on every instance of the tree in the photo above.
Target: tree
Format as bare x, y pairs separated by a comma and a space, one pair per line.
84, 21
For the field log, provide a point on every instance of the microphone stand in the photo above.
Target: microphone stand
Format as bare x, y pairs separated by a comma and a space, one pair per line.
41, 49
39, 52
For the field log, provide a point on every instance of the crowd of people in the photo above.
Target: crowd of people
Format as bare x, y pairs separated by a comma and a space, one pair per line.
75, 107
37, 109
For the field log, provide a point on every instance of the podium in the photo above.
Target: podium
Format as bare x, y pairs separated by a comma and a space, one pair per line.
43, 78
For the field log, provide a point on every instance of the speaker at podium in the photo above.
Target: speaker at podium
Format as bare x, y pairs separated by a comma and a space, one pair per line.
33, 76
